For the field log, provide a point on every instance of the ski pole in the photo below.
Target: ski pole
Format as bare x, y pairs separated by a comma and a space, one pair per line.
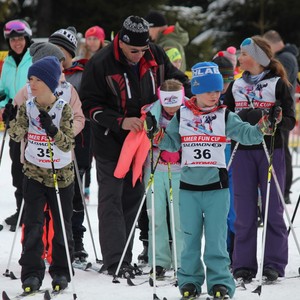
259, 288
4, 136
173, 221
294, 213
55, 182
85, 207
115, 278
7, 272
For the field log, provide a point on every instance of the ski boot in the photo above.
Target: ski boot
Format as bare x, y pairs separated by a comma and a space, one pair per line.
270, 274
80, 253
59, 282
31, 284
188, 292
12, 220
244, 274
220, 292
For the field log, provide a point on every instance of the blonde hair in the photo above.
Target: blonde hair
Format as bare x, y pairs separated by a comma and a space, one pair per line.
171, 85
275, 65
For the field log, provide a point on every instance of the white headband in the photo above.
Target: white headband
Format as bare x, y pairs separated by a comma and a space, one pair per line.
171, 98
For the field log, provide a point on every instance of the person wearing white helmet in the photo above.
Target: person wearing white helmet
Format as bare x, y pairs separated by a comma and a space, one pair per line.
18, 35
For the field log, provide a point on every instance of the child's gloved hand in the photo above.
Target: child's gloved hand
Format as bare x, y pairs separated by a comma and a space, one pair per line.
275, 115
267, 122
47, 124
170, 157
150, 125
10, 112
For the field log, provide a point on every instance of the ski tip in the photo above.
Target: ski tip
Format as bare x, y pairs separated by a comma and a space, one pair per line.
12, 275
129, 281
257, 290
5, 296
47, 295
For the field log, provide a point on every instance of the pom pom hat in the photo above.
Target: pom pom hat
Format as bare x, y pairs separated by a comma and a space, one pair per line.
48, 70
225, 68
96, 31
65, 38
206, 78
230, 54
135, 31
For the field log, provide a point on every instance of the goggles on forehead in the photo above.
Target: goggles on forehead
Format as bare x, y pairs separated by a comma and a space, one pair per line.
18, 27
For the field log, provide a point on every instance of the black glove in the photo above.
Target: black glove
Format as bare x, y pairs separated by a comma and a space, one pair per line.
275, 115
47, 124
150, 125
10, 112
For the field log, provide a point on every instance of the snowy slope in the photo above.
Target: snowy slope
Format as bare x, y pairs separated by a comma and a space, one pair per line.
93, 286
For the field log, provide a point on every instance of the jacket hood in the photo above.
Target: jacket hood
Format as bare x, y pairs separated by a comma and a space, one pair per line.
178, 34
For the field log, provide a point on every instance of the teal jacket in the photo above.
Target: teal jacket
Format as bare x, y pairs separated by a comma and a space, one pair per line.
236, 129
13, 77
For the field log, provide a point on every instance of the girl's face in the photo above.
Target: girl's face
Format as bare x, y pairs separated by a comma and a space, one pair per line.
209, 99
17, 44
93, 43
247, 62
38, 87
171, 110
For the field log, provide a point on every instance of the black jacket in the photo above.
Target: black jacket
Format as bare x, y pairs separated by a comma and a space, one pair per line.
112, 90
283, 99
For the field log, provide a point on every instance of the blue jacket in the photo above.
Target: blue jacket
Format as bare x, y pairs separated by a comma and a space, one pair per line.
13, 77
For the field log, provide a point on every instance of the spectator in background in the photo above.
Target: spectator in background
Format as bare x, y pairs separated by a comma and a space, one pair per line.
175, 57
94, 41
173, 36
287, 55
116, 83
18, 35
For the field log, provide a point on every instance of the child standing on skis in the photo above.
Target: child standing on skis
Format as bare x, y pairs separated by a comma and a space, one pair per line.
167, 171
47, 122
200, 129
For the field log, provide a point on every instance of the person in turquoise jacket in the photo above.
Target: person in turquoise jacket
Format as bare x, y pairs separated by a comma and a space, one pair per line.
166, 176
200, 129
13, 77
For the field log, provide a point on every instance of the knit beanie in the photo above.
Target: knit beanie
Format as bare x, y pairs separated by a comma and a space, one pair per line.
40, 50
156, 19
96, 31
65, 38
135, 31
255, 52
225, 68
206, 77
173, 54
230, 54
48, 70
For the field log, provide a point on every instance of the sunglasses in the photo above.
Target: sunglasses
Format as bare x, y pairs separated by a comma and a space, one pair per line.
16, 26
135, 51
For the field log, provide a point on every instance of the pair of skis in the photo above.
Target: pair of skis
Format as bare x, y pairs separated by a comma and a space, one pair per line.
48, 295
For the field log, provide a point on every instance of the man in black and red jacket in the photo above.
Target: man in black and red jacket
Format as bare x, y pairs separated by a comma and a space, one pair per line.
117, 82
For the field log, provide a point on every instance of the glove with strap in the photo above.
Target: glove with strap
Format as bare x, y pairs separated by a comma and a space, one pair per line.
10, 112
267, 123
150, 125
47, 124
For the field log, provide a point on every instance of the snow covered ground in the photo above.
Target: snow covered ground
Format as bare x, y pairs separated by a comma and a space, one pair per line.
90, 285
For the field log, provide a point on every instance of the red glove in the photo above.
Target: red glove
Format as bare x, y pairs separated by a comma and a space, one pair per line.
170, 157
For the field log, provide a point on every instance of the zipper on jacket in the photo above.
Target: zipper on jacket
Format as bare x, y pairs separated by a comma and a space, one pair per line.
127, 86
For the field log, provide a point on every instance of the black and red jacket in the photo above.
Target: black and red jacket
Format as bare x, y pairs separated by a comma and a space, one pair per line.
112, 90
